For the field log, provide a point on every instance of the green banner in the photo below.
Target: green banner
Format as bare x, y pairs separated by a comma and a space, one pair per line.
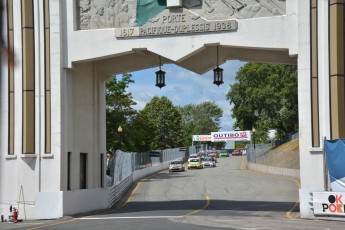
147, 9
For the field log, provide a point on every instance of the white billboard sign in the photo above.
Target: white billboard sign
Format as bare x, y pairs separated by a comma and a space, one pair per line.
231, 136
329, 203
201, 137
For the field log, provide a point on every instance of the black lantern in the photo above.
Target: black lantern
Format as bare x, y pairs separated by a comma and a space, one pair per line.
218, 74
160, 76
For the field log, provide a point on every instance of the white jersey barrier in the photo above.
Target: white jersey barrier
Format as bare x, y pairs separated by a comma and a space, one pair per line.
125, 169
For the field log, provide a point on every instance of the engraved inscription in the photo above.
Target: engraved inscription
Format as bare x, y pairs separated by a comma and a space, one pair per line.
174, 18
170, 23
128, 32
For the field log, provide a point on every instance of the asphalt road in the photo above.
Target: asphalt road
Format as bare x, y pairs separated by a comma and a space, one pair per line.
212, 198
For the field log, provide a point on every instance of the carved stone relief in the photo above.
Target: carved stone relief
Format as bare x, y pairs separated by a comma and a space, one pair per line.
98, 14
237, 9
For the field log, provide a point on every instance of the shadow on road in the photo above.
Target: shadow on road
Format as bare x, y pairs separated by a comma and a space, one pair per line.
218, 205
167, 175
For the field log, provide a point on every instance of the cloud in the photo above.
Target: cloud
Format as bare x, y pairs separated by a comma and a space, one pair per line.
184, 87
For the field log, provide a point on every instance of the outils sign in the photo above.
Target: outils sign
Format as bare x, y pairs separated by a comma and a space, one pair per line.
231, 136
329, 203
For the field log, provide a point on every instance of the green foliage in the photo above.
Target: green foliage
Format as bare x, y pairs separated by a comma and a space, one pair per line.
141, 132
165, 119
200, 119
118, 109
159, 125
265, 97
241, 144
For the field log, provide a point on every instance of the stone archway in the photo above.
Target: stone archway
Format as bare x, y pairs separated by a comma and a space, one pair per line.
87, 41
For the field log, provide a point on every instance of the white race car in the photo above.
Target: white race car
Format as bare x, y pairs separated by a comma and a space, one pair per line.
209, 161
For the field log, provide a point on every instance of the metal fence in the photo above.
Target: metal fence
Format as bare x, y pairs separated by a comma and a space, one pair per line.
264, 154
123, 164
288, 138
259, 151
282, 159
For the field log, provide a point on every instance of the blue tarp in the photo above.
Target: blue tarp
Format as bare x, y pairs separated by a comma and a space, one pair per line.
335, 158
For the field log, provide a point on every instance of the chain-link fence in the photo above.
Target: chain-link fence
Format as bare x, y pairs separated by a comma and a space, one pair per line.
282, 159
264, 154
190, 150
257, 152
123, 164
288, 138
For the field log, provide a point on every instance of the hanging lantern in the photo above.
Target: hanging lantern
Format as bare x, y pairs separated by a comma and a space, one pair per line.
218, 73
218, 76
160, 76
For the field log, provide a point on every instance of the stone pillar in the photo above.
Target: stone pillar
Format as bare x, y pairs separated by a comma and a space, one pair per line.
336, 63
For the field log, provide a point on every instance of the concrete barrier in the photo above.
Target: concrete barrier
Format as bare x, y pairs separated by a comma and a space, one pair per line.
294, 173
53, 205
92, 199
138, 174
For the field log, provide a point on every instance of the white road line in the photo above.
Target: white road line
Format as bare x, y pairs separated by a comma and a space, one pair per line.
128, 217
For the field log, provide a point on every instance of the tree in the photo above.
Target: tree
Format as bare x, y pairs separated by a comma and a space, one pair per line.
265, 97
141, 132
166, 120
201, 119
118, 109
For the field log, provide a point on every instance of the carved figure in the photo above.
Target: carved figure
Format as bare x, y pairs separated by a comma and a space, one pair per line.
84, 5
271, 6
226, 9
84, 13
124, 18
216, 10
98, 21
249, 11
192, 3
110, 13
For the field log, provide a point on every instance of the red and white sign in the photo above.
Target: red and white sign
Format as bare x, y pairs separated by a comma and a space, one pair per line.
329, 203
231, 136
201, 137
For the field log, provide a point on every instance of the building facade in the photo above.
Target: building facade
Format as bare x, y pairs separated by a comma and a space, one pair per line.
52, 100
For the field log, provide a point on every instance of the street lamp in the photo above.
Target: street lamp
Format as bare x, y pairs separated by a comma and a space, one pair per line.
253, 131
119, 130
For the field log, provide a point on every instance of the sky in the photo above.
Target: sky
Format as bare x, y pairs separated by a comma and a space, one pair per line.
184, 87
